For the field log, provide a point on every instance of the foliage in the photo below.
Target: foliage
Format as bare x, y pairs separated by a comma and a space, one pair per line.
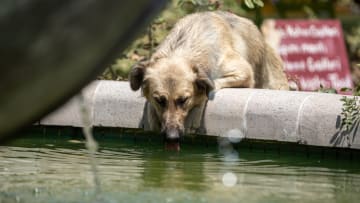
348, 122
191, 6
253, 3
350, 116
353, 41
350, 112
327, 90
356, 90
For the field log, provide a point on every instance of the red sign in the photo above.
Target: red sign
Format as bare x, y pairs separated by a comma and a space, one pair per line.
313, 52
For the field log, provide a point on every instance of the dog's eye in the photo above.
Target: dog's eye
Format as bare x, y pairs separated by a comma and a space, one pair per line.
161, 101
181, 101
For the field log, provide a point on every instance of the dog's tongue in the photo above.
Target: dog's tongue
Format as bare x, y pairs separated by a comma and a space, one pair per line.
172, 146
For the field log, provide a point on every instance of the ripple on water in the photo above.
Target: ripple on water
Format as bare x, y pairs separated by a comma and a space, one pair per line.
59, 173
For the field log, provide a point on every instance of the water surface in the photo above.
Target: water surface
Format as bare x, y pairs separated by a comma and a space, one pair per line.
56, 169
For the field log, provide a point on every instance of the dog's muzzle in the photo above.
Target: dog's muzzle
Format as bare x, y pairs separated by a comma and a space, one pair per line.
172, 139
172, 134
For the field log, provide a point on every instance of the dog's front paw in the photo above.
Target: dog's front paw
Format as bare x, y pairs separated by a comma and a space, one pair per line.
196, 130
191, 130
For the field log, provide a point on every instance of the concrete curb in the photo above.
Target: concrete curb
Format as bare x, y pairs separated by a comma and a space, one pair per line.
301, 117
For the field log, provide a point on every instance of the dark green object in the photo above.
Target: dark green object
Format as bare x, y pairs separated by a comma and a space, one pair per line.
51, 49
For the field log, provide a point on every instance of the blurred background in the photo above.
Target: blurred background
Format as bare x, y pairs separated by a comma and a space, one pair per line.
347, 11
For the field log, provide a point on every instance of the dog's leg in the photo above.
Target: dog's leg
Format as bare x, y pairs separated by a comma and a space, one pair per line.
152, 122
237, 72
194, 119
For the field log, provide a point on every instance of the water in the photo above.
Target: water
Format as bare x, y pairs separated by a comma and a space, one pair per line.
55, 168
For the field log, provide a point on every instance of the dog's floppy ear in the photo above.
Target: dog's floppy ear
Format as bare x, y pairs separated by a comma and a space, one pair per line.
136, 75
203, 81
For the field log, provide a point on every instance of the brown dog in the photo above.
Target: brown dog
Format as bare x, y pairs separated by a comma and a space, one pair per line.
204, 52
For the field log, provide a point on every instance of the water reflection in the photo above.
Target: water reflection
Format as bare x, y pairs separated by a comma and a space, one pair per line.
57, 170
174, 170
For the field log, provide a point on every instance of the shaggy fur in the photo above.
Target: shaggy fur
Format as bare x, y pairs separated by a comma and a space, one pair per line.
204, 52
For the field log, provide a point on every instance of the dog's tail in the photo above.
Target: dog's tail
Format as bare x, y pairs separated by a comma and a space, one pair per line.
273, 68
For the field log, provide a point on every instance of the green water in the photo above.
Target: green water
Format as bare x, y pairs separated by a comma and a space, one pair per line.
55, 168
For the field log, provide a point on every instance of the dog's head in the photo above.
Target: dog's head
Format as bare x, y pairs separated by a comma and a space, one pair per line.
173, 87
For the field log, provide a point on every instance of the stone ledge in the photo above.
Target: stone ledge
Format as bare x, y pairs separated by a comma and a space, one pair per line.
303, 117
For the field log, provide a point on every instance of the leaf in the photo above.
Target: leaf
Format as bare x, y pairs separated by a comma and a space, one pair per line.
332, 91
345, 89
260, 3
338, 121
249, 4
